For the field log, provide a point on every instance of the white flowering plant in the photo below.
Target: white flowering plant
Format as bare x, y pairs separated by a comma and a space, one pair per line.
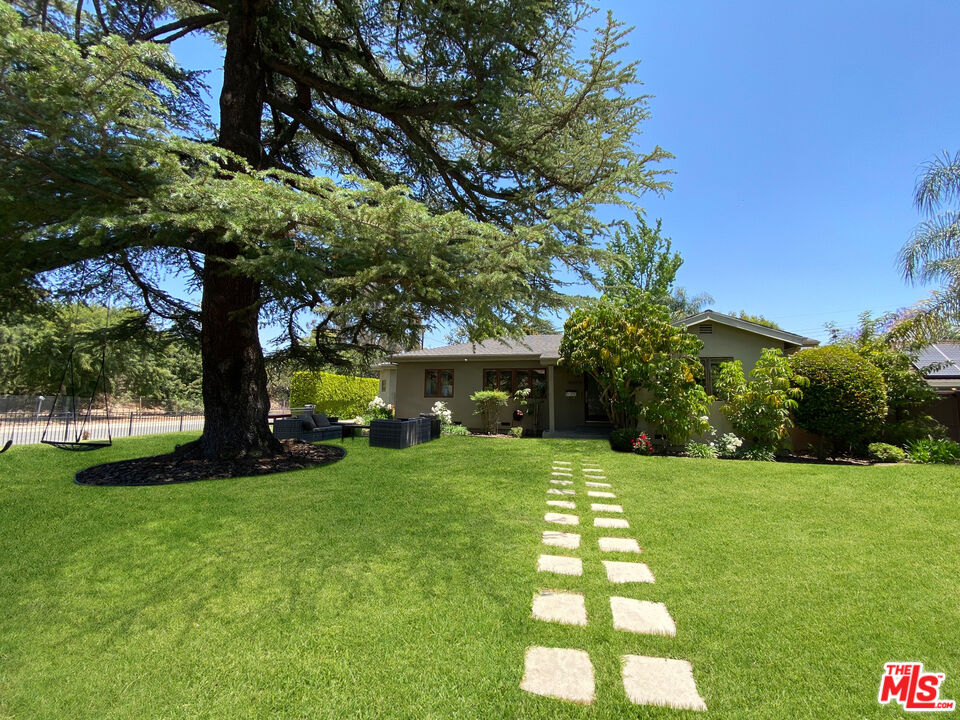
441, 410
726, 444
379, 409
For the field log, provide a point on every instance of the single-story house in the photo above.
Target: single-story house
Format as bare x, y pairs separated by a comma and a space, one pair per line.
940, 365
414, 381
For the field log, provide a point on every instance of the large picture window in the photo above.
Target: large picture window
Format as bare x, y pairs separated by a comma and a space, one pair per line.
438, 383
512, 380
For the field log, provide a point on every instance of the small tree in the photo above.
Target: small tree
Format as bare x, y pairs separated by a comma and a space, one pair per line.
489, 403
644, 366
760, 407
846, 399
640, 258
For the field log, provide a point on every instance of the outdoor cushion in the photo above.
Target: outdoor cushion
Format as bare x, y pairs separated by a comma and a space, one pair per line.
321, 420
308, 423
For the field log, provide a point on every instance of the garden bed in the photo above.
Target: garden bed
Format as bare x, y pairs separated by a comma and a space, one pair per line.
171, 468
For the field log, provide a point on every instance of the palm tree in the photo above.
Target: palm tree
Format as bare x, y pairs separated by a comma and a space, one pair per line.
933, 252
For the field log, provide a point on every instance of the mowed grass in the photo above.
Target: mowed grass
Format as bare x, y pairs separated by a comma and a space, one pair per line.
397, 584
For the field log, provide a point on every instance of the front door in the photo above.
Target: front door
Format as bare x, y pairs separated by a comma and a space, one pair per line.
593, 410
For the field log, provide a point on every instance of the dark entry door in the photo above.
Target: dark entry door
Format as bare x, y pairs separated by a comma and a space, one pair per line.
593, 410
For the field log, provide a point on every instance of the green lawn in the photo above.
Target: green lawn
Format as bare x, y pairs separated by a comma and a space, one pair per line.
398, 584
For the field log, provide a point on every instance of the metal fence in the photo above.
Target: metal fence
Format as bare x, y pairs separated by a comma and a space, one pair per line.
27, 428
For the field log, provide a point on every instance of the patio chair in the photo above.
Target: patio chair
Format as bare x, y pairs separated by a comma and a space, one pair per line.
308, 427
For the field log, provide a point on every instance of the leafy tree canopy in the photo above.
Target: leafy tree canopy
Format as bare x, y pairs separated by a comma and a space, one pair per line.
468, 147
641, 258
758, 319
149, 363
932, 255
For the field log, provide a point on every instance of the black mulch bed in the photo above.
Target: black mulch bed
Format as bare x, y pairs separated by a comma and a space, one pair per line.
169, 469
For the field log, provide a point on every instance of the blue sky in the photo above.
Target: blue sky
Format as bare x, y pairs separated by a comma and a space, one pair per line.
798, 131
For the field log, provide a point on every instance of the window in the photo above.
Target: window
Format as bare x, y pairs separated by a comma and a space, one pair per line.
438, 383
711, 368
512, 380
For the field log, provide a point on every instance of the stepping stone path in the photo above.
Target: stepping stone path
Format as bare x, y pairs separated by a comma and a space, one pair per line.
627, 572
611, 523
641, 616
600, 507
661, 681
560, 564
561, 539
566, 608
559, 673
567, 673
616, 544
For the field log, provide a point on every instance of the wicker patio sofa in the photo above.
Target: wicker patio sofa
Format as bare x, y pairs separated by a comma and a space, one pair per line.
399, 433
308, 427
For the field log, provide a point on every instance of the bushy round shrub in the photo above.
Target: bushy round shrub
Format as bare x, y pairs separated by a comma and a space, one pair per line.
622, 439
845, 401
886, 453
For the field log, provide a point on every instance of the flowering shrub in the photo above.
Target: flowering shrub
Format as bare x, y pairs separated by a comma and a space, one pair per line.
378, 409
642, 445
727, 444
442, 412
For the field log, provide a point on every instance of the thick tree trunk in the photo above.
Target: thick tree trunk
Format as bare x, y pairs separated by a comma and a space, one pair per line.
235, 399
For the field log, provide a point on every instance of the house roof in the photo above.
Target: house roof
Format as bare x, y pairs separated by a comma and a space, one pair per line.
748, 326
547, 347
940, 361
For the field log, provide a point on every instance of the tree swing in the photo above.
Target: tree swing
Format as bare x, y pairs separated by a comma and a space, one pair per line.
80, 439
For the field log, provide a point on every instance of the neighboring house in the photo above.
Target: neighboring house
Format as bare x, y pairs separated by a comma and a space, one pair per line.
940, 365
414, 381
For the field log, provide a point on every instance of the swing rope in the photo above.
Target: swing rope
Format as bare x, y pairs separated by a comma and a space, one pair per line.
78, 442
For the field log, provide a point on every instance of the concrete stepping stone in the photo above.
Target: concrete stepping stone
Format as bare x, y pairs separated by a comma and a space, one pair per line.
641, 616
556, 538
661, 681
566, 608
600, 494
562, 474
618, 544
561, 519
559, 673
596, 484
561, 482
560, 564
611, 523
559, 491
592, 470
562, 462
627, 572
600, 507
565, 504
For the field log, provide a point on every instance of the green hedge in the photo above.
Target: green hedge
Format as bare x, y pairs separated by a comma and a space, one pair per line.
341, 395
